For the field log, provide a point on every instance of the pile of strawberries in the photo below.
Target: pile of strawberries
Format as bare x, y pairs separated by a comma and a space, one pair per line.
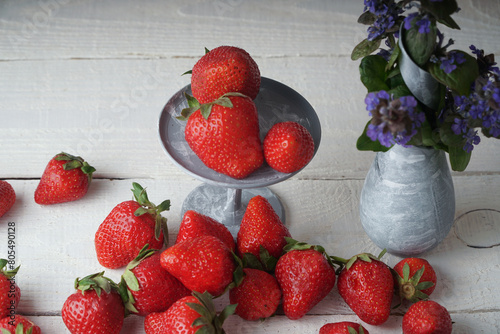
222, 125
263, 271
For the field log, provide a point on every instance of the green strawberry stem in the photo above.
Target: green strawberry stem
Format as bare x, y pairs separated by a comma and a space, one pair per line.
19, 330
411, 288
74, 162
293, 244
347, 263
129, 280
5, 272
206, 108
211, 322
141, 197
96, 282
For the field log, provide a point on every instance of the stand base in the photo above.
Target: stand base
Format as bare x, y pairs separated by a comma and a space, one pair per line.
227, 205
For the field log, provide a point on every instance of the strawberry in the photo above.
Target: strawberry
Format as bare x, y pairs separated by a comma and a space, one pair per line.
18, 324
202, 264
225, 134
288, 147
427, 317
414, 279
261, 228
343, 327
195, 224
223, 70
149, 287
305, 276
95, 308
128, 227
257, 296
367, 286
66, 178
189, 315
7, 197
10, 294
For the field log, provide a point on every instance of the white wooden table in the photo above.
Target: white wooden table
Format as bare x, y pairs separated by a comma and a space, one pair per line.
91, 77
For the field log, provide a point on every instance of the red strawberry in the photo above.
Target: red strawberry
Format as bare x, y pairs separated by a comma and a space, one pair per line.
257, 296
9, 291
344, 327
188, 315
195, 224
415, 279
18, 324
66, 178
427, 317
261, 227
367, 286
288, 147
149, 287
225, 134
305, 276
223, 70
7, 197
128, 227
201, 264
95, 308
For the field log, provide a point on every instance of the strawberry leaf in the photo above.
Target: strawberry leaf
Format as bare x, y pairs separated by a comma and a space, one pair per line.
206, 109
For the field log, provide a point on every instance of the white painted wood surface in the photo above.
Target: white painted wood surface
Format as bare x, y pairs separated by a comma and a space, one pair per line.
91, 77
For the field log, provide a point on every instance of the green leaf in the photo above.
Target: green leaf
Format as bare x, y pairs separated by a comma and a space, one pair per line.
365, 48
367, 18
372, 72
131, 280
227, 311
460, 79
459, 159
419, 46
206, 109
442, 11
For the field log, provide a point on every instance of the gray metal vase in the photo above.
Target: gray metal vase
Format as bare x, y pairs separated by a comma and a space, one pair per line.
407, 203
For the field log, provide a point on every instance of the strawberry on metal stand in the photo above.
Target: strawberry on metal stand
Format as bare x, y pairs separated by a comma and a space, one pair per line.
66, 178
224, 134
222, 70
288, 147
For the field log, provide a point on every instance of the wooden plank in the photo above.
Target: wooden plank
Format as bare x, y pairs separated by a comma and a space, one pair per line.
66, 106
161, 29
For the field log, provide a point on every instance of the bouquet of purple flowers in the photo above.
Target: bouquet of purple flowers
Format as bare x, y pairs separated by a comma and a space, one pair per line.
468, 85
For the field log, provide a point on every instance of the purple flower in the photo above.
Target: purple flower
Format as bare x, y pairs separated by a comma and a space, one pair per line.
394, 121
408, 19
386, 13
451, 60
